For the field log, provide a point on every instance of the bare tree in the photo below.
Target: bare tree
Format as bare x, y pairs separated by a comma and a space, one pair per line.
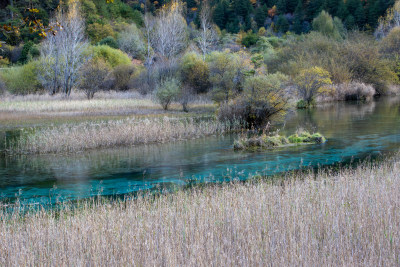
49, 68
170, 35
389, 21
207, 35
131, 42
149, 23
72, 45
62, 52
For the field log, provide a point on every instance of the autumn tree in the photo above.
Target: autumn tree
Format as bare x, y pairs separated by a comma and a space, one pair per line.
223, 70
195, 73
312, 82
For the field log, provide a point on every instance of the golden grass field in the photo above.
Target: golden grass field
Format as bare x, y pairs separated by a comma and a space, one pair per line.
348, 218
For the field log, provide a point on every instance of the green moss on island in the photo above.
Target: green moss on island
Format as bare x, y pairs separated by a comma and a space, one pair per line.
275, 141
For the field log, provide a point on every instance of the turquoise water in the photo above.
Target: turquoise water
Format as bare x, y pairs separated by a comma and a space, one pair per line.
354, 132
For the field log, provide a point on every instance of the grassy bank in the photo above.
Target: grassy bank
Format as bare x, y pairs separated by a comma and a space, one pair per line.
42, 110
108, 134
350, 218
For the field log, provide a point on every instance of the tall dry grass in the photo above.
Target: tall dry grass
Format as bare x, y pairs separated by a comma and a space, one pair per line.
107, 134
77, 102
348, 219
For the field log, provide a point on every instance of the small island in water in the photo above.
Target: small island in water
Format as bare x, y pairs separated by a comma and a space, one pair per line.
301, 137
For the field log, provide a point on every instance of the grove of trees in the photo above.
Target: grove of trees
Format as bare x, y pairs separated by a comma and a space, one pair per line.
253, 58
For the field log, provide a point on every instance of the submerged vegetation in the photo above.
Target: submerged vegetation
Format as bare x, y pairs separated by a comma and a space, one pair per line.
308, 219
273, 141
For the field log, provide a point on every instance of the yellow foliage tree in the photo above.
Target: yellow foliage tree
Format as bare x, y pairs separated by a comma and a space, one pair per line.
313, 82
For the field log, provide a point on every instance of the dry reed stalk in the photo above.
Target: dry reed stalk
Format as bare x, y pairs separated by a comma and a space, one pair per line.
348, 219
128, 132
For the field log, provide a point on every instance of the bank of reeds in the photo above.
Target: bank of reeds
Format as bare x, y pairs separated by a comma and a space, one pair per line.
77, 102
350, 218
108, 134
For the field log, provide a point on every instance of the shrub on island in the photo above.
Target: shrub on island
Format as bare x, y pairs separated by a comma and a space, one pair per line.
275, 141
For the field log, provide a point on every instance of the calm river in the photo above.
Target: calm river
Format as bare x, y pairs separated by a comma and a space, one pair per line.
354, 132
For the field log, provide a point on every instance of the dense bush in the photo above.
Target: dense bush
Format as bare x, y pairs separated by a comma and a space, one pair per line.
362, 56
326, 25
97, 32
167, 91
195, 73
29, 51
21, 80
224, 67
122, 75
391, 43
314, 49
263, 99
355, 91
113, 57
131, 41
93, 74
110, 41
250, 39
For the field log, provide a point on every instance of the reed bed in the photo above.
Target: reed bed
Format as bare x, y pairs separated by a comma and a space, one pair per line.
127, 132
95, 105
77, 102
350, 218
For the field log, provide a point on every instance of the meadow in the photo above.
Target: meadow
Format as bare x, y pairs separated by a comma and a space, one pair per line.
348, 217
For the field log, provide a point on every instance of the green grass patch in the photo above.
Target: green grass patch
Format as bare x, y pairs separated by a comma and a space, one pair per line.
274, 141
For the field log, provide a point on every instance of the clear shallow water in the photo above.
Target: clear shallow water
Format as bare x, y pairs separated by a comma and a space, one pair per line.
354, 132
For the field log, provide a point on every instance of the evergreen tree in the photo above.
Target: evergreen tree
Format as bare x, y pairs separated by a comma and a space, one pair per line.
359, 16
314, 8
291, 5
350, 22
332, 6
352, 5
282, 24
281, 6
342, 11
260, 15
233, 26
220, 14
298, 18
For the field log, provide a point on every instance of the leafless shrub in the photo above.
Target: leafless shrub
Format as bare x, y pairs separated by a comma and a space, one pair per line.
355, 91
394, 89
